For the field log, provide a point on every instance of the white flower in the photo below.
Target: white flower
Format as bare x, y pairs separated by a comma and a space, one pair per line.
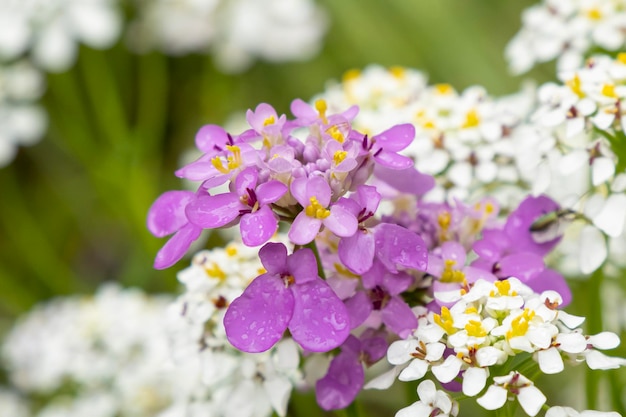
530, 397
48, 30
558, 411
432, 403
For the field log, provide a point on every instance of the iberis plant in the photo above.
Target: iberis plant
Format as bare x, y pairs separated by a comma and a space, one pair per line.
359, 265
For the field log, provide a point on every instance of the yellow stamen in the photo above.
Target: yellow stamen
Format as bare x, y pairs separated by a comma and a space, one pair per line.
321, 107
445, 320
339, 157
471, 119
261, 271
503, 287
451, 275
352, 74
398, 72
231, 250
345, 271
269, 121
214, 271
609, 90
475, 328
575, 85
621, 57
316, 210
444, 89
519, 325
471, 310
232, 162
594, 14
336, 134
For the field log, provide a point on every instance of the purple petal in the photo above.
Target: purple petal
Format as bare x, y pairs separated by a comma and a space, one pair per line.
394, 284
298, 190
211, 211
320, 320
356, 252
304, 229
256, 119
487, 250
375, 275
256, 320
518, 224
303, 110
368, 198
474, 273
341, 384
274, 258
524, 266
246, 179
454, 251
374, 346
199, 170
341, 222
167, 213
396, 138
359, 308
399, 317
211, 139
396, 245
549, 279
318, 187
408, 180
393, 160
270, 192
175, 248
258, 227
302, 265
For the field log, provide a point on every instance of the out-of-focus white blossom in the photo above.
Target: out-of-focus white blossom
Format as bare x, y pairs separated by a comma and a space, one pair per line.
236, 31
11, 404
49, 30
21, 121
566, 30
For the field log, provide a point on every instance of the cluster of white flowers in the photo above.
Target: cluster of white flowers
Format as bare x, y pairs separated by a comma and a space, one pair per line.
227, 382
236, 31
49, 30
22, 122
488, 326
567, 30
105, 355
464, 139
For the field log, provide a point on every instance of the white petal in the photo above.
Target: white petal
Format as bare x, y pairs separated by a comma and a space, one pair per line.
593, 251
416, 370
611, 218
550, 361
602, 170
55, 50
474, 380
598, 360
561, 412
531, 399
278, 391
604, 340
417, 409
384, 380
570, 320
488, 356
96, 24
427, 391
448, 370
571, 342
399, 352
494, 398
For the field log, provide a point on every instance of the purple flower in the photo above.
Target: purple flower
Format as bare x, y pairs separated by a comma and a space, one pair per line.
314, 195
249, 203
167, 216
385, 146
345, 376
290, 295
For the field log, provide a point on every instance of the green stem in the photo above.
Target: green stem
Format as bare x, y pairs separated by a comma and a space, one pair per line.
320, 269
594, 325
352, 410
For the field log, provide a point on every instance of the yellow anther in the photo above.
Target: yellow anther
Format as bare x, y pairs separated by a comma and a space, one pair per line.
575, 85
471, 119
475, 328
261, 271
609, 90
339, 157
594, 14
471, 310
398, 72
214, 271
232, 162
217, 163
450, 274
351, 74
321, 107
444, 89
503, 287
345, 271
444, 220
269, 121
621, 57
519, 325
489, 208
445, 320
231, 250
336, 134
316, 210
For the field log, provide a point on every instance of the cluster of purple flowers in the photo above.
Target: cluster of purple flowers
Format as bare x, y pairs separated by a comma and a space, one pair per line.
353, 277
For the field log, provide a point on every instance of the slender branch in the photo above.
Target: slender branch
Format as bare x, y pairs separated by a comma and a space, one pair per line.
320, 269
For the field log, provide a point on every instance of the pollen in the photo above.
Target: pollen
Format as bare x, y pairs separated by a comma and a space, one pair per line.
232, 162
316, 210
269, 121
445, 320
503, 287
443, 89
231, 250
321, 107
336, 134
519, 325
214, 271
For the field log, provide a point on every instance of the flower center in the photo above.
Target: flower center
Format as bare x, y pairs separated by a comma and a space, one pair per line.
339, 157
451, 275
519, 325
214, 271
471, 119
232, 162
316, 210
269, 121
575, 85
445, 320
475, 328
609, 90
